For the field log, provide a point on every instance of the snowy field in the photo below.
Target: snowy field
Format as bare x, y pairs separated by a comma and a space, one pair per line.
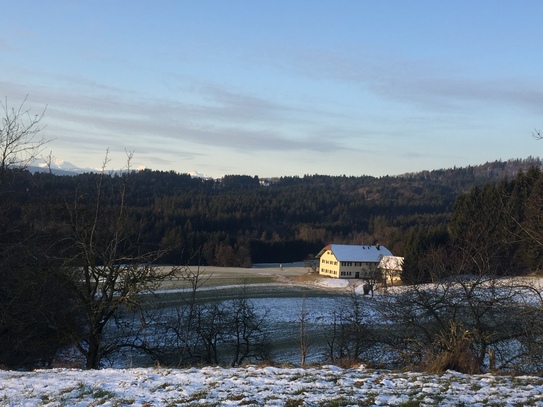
266, 385
263, 386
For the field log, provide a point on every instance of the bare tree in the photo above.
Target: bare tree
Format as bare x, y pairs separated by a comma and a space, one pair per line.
461, 318
187, 316
108, 266
311, 264
211, 328
350, 336
373, 276
304, 338
247, 336
20, 138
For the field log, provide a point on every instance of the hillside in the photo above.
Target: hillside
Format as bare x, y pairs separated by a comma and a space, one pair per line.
240, 220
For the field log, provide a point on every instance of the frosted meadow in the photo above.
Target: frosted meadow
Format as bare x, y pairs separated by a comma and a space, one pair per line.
263, 386
279, 384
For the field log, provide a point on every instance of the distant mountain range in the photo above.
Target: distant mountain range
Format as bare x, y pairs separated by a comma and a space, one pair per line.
58, 167
497, 169
61, 167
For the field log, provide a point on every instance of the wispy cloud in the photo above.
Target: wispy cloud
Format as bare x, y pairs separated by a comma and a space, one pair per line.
422, 82
221, 118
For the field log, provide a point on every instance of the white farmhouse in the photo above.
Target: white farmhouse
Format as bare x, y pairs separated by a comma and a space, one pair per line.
351, 261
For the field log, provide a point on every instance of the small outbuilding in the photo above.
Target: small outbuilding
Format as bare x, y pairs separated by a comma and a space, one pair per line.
391, 268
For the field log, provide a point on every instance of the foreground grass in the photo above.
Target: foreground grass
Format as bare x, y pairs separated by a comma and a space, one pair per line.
264, 386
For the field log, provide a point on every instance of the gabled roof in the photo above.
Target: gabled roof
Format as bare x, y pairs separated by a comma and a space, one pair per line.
364, 253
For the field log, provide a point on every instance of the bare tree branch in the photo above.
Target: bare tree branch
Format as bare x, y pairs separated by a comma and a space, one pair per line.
109, 267
20, 140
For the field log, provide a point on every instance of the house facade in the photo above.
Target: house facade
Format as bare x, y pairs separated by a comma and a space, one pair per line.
351, 261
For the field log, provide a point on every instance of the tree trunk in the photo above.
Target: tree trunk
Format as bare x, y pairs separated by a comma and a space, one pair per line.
93, 354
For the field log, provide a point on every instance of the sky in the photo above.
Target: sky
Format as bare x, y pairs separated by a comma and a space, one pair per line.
278, 88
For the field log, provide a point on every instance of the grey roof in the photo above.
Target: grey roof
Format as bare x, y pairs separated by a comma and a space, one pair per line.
345, 252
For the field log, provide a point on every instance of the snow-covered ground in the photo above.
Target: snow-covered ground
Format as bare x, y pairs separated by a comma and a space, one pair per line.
263, 386
266, 385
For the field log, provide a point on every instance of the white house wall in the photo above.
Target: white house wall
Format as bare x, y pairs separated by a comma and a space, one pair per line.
329, 265
349, 269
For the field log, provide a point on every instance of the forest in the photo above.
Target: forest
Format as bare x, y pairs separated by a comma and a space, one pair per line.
237, 221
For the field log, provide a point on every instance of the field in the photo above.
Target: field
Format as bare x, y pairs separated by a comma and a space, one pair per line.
260, 281
280, 291
285, 275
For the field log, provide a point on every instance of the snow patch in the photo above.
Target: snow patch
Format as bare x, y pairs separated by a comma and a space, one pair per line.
263, 386
332, 283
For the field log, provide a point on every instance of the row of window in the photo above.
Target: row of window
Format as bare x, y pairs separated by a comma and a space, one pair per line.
328, 271
347, 274
352, 263
330, 262
342, 274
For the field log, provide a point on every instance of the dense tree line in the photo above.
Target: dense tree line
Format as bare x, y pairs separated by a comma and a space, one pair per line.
235, 221
497, 225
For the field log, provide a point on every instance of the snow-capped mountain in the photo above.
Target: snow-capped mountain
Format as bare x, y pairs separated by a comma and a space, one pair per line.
58, 166
196, 174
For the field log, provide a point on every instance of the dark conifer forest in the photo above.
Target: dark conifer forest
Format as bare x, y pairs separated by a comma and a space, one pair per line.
238, 220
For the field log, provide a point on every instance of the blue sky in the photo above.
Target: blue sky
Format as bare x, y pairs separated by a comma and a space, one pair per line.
277, 88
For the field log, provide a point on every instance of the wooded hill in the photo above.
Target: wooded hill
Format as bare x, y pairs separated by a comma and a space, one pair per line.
236, 221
